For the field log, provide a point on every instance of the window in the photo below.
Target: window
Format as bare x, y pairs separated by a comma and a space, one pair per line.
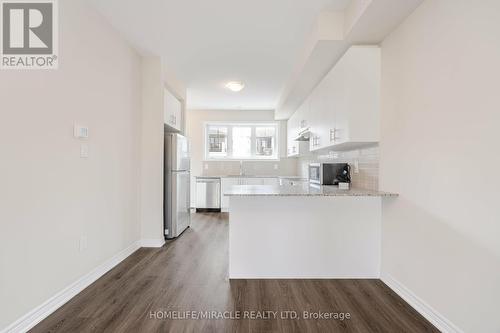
241, 141
217, 141
264, 141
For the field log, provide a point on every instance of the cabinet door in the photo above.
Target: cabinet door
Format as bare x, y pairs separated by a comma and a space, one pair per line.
293, 130
177, 114
335, 117
172, 112
167, 110
270, 181
323, 115
226, 183
302, 115
363, 93
290, 131
337, 79
315, 122
252, 181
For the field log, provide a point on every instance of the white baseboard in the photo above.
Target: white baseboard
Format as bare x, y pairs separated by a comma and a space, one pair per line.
437, 319
152, 242
42, 311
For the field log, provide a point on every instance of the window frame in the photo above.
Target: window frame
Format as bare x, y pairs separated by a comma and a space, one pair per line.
253, 125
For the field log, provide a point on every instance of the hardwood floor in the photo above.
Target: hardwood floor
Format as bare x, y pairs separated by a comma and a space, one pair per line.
190, 274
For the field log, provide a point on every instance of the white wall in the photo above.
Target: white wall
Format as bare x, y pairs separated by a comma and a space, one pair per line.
439, 150
152, 151
49, 196
155, 77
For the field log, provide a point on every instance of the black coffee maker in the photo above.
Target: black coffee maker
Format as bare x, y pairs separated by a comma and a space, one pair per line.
343, 174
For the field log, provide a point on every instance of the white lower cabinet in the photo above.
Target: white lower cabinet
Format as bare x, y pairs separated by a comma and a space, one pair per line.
226, 183
250, 181
271, 181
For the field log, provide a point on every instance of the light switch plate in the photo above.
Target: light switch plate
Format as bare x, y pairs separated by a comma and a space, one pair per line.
84, 150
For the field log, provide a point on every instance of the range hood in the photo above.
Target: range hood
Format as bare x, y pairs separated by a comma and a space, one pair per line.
304, 135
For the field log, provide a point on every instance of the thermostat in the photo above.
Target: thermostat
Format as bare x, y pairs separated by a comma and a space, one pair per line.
81, 132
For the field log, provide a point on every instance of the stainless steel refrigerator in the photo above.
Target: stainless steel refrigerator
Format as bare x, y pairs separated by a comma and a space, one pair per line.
177, 185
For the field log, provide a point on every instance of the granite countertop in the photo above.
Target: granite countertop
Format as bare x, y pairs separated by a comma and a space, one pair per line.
253, 176
302, 190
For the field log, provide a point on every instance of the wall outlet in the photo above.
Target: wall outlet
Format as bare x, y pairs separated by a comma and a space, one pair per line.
333, 155
84, 150
83, 243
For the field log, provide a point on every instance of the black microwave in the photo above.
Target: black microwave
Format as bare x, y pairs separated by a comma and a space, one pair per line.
329, 173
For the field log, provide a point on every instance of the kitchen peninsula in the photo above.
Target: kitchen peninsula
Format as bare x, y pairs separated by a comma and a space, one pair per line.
303, 231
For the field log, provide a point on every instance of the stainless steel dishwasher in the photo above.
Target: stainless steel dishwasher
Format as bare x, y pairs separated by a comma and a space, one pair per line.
208, 194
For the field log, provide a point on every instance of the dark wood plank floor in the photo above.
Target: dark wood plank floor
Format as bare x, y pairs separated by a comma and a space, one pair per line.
190, 274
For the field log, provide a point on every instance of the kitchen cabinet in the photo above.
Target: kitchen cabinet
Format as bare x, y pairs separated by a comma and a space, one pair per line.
293, 182
343, 110
258, 180
271, 181
292, 131
317, 113
295, 124
172, 110
226, 183
345, 105
250, 181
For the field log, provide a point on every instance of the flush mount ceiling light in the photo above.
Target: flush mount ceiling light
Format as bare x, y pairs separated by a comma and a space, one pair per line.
235, 86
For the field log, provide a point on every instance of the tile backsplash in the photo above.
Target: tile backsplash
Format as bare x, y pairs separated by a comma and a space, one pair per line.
367, 160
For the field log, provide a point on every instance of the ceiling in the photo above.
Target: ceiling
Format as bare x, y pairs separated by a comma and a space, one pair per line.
208, 43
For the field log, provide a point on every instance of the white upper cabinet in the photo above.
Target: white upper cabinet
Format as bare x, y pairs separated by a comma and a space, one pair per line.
344, 107
172, 110
295, 124
292, 131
